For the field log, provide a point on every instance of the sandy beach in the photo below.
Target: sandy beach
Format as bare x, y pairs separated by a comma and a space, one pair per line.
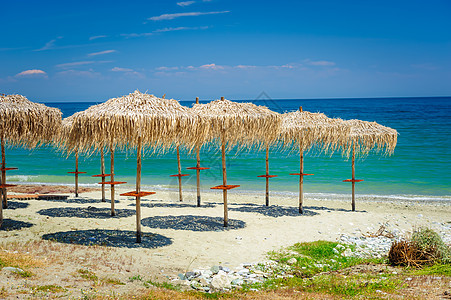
178, 236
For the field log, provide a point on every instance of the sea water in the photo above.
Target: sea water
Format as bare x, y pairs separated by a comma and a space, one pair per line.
419, 169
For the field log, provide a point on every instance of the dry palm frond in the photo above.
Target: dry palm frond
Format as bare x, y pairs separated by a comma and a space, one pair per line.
119, 122
304, 129
238, 123
26, 123
365, 136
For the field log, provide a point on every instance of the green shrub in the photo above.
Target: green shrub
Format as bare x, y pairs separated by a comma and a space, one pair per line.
429, 241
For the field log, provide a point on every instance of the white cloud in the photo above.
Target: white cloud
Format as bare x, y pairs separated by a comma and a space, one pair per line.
90, 73
97, 37
49, 45
167, 29
323, 63
117, 69
245, 67
167, 68
101, 52
211, 67
188, 14
428, 67
185, 3
128, 72
134, 35
33, 72
74, 64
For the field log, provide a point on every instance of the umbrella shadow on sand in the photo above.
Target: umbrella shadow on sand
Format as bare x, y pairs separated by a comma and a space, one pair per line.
9, 225
274, 211
86, 212
16, 205
192, 223
79, 200
110, 238
175, 205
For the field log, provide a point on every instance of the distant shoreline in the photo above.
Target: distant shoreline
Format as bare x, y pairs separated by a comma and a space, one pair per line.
48, 188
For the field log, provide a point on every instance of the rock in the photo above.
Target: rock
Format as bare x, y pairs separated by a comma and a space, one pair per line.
243, 271
220, 282
181, 276
237, 281
225, 269
12, 269
215, 269
191, 275
292, 261
203, 281
196, 285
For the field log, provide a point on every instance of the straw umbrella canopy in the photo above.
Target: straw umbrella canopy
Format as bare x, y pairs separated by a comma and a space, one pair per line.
61, 143
230, 123
363, 137
24, 123
302, 130
132, 121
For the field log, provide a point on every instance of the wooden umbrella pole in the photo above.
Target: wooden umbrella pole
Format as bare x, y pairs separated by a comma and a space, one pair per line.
198, 166
4, 194
353, 177
198, 175
76, 173
180, 173
267, 176
138, 191
224, 181
301, 180
102, 171
113, 212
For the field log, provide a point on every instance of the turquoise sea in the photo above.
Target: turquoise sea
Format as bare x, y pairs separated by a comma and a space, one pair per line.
420, 168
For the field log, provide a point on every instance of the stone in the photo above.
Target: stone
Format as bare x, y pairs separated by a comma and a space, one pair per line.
181, 276
243, 271
191, 275
215, 269
225, 269
220, 282
12, 269
292, 261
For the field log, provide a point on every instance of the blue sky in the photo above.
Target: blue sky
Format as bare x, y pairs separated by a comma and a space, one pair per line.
95, 50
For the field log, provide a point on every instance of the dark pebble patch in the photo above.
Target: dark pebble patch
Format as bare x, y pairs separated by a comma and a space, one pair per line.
110, 238
88, 212
9, 225
192, 223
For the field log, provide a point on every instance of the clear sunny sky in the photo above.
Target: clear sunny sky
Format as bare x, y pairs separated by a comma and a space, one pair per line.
95, 50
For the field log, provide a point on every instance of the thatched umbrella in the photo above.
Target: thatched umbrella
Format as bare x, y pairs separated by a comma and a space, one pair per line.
24, 123
134, 120
231, 123
363, 137
303, 129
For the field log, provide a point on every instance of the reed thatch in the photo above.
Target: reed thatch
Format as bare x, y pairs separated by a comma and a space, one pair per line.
365, 136
303, 129
243, 123
24, 123
119, 122
28, 124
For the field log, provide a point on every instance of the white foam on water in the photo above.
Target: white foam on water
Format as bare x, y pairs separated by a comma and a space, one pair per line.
21, 178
